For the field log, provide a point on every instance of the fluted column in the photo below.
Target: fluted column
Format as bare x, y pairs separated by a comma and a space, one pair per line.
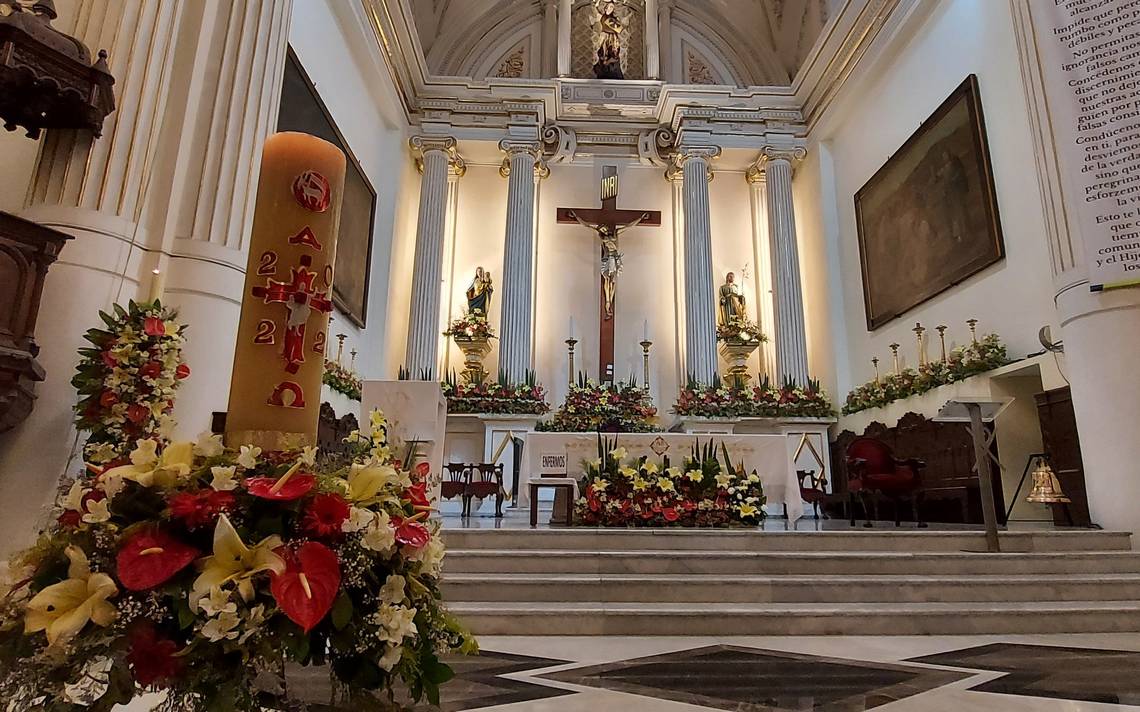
549, 38
677, 189
652, 51
564, 10
515, 324
435, 155
700, 307
665, 38
762, 254
790, 336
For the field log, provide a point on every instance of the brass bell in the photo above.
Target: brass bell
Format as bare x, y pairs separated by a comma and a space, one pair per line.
1046, 487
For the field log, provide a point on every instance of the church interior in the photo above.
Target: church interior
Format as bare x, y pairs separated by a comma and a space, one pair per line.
569, 355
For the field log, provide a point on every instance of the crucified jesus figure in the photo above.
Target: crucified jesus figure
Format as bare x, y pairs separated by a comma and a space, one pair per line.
611, 256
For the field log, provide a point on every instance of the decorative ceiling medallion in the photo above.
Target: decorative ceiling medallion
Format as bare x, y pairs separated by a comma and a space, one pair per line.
313, 191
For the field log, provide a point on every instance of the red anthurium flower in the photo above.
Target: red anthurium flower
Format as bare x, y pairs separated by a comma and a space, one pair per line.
150, 558
422, 470
411, 533
293, 488
151, 369
152, 657
305, 591
201, 508
153, 326
325, 515
137, 413
108, 399
670, 514
417, 495
182, 372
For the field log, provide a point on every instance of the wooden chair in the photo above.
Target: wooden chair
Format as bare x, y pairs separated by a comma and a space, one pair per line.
872, 469
458, 477
487, 480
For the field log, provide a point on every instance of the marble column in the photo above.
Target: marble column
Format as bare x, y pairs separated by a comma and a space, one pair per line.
169, 185
549, 38
665, 39
762, 256
677, 188
652, 49
435, 155
790, 335
700, 305
565, 7
516, 320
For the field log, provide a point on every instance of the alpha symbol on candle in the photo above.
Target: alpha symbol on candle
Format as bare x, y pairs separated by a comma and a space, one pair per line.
312, 191
306, 237
300, 298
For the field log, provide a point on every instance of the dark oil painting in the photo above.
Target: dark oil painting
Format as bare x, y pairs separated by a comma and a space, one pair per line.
928, 219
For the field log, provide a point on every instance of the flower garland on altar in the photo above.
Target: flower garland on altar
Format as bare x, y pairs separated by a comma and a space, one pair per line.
702, 492
128, 378
722, 400
499, 398
980, 356
200, 571
740, 331
471, 325
603, 407
342, 380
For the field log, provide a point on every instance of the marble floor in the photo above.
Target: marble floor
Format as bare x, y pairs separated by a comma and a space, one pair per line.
1045, 673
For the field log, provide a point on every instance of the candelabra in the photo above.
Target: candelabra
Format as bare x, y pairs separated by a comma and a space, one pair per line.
570, 343
875, 363
919, 330
645, 360
941, 329
895, 354
352, 365
973, 330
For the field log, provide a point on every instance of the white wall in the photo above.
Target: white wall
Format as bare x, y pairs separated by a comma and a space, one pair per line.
878, 110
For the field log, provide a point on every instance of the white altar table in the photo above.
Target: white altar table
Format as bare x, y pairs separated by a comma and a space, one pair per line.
766, 454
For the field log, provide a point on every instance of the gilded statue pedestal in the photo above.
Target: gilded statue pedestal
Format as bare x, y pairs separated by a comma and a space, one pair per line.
737, 353
475, 349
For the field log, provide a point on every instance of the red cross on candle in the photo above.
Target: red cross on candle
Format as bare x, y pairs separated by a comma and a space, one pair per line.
300, 298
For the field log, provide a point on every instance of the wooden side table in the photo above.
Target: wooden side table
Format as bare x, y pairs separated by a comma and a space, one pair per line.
555, 483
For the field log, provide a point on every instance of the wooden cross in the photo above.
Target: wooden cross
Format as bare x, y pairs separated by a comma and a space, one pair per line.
608, 222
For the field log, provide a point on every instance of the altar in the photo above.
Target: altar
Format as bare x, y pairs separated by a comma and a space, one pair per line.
562, 454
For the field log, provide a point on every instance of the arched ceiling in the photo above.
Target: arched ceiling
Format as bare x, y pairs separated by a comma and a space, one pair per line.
742, 42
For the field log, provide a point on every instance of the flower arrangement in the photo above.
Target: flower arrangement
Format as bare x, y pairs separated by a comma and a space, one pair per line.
740, 331
471, 325
127, 379
731, 400
342, 380
702, 492
501, 397
200, 572
592, 407
980, 356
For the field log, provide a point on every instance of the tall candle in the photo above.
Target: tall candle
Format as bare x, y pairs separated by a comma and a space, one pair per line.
275, 391
645, 330
157, 285
571, 327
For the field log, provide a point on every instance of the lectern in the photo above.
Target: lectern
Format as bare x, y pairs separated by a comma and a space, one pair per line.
977, 412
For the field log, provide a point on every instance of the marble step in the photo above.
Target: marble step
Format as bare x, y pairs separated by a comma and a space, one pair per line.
683, 562
595, 618
695, 588
886, 539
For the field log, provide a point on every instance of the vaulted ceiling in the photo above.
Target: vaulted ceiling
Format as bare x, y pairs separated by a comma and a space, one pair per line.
738, 42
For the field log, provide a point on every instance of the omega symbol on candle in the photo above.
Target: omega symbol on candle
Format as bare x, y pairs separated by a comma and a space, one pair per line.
312, 191
292, 388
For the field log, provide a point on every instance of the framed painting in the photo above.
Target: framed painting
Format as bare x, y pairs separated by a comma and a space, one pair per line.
303, 110
928, 219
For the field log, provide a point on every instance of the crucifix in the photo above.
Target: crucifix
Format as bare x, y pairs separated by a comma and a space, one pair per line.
608, 223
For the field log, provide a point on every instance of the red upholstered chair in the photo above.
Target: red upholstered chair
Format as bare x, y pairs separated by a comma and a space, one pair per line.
873, 470
458, 478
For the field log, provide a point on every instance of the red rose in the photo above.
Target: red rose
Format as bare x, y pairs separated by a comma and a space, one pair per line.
182, 372
199, 509
153, 326
137, 413
410, 533
152, 658
325, 515
151, 369
108, 399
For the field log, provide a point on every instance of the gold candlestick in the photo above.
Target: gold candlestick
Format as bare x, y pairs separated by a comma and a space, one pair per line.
645, 360
941, 329
919, 330
282, 333
895, 353
973, 323
570, 346
340, 347
352, 364
875, 363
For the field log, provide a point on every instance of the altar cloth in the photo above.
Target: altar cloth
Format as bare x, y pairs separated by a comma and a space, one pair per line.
769, 455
